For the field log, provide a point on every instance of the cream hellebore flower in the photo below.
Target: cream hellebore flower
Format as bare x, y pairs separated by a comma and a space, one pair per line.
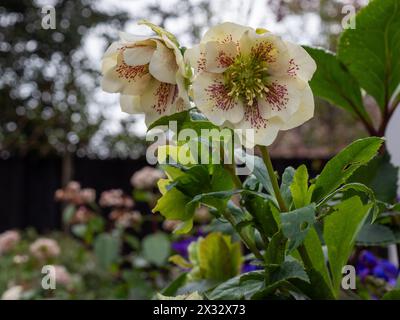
251, 79
148, 72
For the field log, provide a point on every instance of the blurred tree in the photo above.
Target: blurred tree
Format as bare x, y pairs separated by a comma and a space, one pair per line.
47, 79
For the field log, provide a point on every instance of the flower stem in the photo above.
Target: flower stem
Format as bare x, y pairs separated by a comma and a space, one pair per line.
273, 178
246, 240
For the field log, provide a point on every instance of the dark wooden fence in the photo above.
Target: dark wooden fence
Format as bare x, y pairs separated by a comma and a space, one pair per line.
27, 186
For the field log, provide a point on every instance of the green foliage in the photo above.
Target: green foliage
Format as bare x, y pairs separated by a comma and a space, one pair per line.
296, 224
371, 50
333, 82
301, 194
156, 248
215, 258
340, 231
106, 249
343, 165
239, 287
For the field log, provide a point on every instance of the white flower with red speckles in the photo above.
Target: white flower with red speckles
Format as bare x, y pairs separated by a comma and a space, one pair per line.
251, 79
149, 72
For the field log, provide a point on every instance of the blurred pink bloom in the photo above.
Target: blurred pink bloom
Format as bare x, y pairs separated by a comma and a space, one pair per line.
146, 178
44, 248
62, 275
8, 240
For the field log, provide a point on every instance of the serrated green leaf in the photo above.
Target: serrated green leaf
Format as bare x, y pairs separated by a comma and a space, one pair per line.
342, 166
299, 188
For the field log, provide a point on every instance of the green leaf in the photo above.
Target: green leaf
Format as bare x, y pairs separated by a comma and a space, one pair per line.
262, 211
296, 224
371, 51
156, 248
375, 235
287, 179
342, 166
299, 188
381, 176
289, 270
356, 187
173, 287
219, 257
392, 295
239, 287
68, 213
172, 205
275, 253
184, 120
314, 249
340, 232
106, 249
317, 288
334, 83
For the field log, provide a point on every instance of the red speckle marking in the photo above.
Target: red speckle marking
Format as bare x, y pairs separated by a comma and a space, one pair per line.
293, 68
262, 51
224, 59
277, 96
252, 114
219, 96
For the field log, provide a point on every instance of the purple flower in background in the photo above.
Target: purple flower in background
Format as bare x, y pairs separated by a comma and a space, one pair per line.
247, 267
181, 246
370, 265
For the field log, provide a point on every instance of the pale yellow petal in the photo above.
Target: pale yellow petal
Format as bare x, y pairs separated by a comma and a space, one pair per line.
225, 32
219, 56
138, 55
163, 65
305, 111
130, 104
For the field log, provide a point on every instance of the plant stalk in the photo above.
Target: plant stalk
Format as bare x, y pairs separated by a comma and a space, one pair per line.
274, 180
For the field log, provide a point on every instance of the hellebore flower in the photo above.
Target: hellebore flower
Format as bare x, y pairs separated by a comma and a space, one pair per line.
251, 79
148, 72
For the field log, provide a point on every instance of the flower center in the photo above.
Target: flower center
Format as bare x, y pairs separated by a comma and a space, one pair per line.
247, 78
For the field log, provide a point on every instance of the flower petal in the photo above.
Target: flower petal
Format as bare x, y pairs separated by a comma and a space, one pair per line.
138, 55
219, 56
211, 97
305, 111
225, 32
256, 130
163, 65
158, 100
282, 99
130, 104
196, 58
264, 47
300, 64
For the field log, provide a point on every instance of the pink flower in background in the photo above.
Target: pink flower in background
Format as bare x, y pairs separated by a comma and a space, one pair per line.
8, 240
62, 275
146, 178
44, 248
